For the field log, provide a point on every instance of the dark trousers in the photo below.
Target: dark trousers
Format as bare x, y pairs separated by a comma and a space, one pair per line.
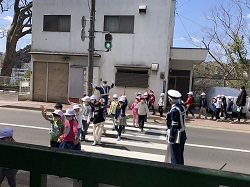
160, 110
150, 105
10, 174
119, 129
241, 114
84, 129
217, 113
189, 110
141, 120
54, 144
177, 151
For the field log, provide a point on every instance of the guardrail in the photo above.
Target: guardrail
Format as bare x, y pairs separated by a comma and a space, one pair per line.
94, 169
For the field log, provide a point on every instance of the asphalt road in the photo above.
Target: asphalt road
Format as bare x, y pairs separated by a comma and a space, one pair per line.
207, 148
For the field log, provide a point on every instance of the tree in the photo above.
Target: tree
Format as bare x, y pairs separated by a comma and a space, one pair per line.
228, 40
20, 26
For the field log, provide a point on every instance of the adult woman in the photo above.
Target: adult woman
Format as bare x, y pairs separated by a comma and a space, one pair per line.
241, 102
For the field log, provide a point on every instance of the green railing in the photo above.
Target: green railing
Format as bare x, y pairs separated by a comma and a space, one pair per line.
94, 168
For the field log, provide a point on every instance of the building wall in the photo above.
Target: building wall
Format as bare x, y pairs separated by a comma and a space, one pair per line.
150, 42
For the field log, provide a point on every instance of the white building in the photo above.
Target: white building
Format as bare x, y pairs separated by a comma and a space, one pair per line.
142, 33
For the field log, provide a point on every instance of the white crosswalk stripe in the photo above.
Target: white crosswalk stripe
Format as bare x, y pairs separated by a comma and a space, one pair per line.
147, 145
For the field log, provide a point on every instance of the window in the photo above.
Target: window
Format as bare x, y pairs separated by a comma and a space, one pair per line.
119, 24
137, 78
56, 23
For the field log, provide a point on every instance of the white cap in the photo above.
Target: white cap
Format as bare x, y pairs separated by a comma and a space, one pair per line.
138, 93
58, 112
218, 96
102, 99
115, 96
222, 96
86, 99
146, 93
93, 97
190, 93
70, 112
162, 94
122, 99
6, 132
203, 93
229, 97
174, 94
76, 107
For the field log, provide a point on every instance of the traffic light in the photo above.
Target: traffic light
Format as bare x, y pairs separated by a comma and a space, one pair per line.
108, 41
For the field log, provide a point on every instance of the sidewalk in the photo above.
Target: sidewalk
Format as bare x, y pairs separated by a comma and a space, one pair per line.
192, 122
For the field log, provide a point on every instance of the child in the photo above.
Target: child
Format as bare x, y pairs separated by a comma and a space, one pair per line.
229, 109
112, 109
188, 104
151, 101
98, 122
213, 108
57, 125
203, 106
78, 118
86, 116
218, 108
6, 134
105, 113
69, 139
135, 112
120, 117
161, 103
142, 112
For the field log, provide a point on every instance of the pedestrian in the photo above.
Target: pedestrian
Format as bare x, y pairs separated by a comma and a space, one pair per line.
241, 102
229, 109
142, 112
120, 117
105, 113
146, 100
135, 111
57, 125
104, 90
112, 109
86, 116
218, 105
203, 105
176, 134
78, 117
92, 105
6, 134
59, 106
151, 101
69, 139
189, 103
223, 106
161, 103
213, 107
126, 108
98, 122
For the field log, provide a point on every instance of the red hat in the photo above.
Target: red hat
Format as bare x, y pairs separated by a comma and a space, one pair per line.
151, 91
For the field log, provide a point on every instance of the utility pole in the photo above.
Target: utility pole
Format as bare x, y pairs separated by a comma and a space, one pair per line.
91, 47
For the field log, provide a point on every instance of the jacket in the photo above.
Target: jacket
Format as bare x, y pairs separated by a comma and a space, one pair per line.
242, 98
203, 102
98, 116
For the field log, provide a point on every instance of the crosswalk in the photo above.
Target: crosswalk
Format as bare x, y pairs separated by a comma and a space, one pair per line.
147, 145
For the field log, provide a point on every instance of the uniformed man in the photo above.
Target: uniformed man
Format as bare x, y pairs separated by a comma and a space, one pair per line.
104, 90
176, 134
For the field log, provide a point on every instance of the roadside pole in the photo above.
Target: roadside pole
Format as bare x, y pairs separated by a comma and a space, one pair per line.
91, 47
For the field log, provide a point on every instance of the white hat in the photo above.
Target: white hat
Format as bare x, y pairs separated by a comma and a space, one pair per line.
58, 112
146, 93
6, 132
76, 107
190, 93
115, 96
138, 93
70, 112
218, 96
229, 97
162, 94
222, 96
203, 93
86, 99
93, 97
122, 99
174, 94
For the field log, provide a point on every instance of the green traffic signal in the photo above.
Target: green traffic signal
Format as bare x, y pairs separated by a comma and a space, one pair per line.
108, 45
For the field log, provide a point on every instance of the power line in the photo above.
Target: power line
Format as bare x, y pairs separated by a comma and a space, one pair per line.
184, 26
189, 19
183, 4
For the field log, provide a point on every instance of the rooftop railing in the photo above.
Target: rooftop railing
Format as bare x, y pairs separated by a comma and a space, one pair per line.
94, 169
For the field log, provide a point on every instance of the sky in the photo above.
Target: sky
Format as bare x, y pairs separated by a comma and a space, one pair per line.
189, 20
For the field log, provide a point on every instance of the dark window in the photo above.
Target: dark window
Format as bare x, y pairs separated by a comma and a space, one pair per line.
131, 78
56, 23
119, 24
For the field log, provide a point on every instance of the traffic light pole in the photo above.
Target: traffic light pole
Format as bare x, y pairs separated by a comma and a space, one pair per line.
91, 47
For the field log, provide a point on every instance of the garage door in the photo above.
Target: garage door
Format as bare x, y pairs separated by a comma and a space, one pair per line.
39, 81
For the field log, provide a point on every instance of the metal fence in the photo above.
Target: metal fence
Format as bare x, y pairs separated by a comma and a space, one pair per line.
24, 86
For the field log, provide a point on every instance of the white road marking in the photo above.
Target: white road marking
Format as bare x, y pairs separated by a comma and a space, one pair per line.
142, 136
